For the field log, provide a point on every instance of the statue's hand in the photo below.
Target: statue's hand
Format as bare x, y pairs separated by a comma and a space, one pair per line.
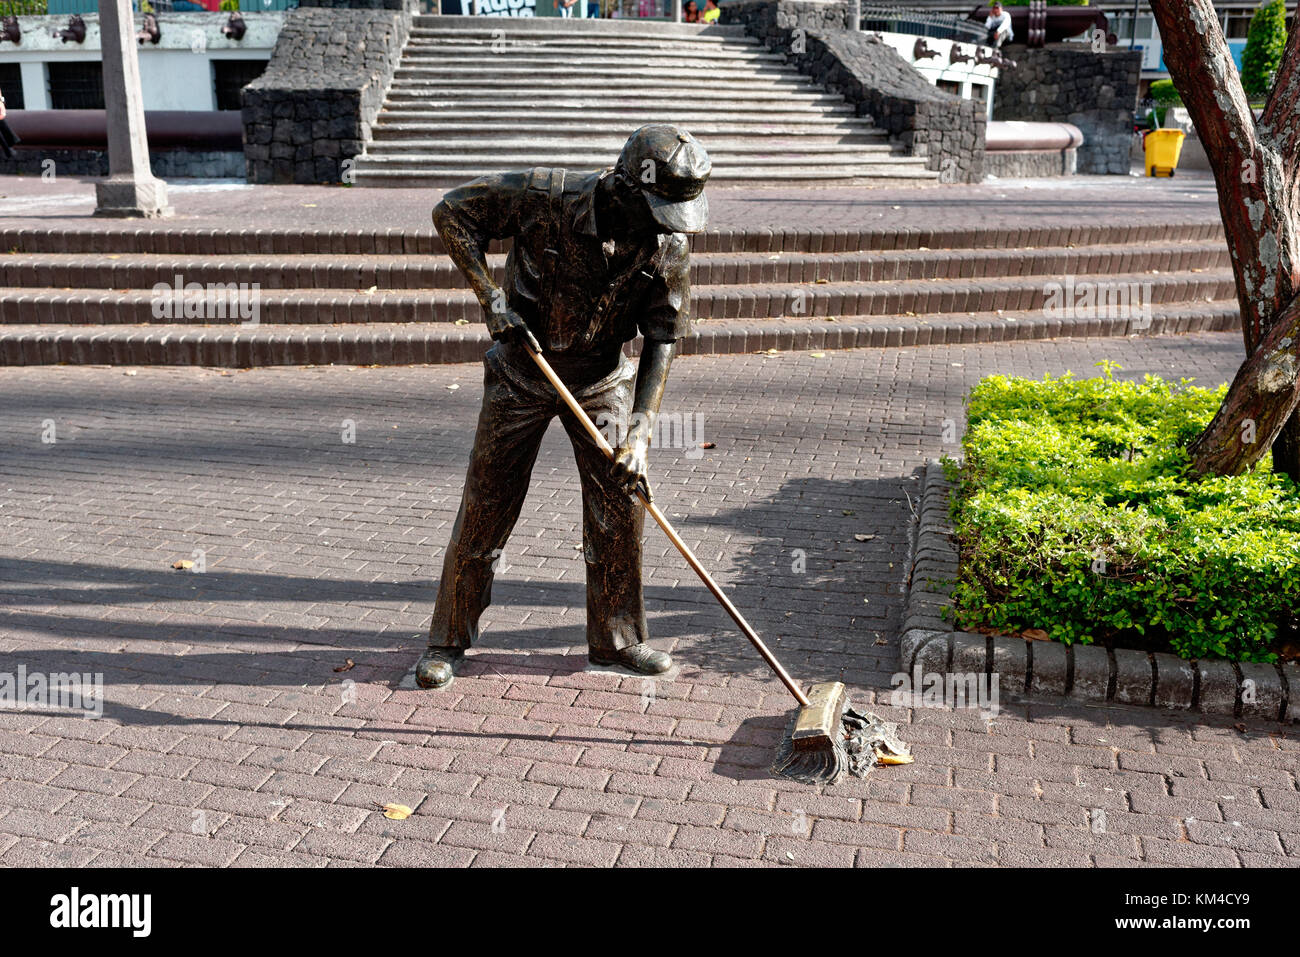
508, 326
631, 464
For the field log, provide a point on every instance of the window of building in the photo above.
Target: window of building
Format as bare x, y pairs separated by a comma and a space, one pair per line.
76, 86
231, 76
11, 85
1121, 24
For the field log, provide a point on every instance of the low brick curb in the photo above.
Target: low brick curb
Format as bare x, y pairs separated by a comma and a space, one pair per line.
1086, 673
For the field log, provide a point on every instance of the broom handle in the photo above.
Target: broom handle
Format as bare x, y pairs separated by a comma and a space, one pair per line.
671, 532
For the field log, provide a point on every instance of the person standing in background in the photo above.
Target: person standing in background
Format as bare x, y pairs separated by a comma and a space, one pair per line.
711, 12
8, 139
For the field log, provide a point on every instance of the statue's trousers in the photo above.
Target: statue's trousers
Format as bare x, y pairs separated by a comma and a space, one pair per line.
518, 405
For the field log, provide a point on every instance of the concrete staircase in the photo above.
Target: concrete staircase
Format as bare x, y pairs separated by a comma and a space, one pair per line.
389, 297
469, 99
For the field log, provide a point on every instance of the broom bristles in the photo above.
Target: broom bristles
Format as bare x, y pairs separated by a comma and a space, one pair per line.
852, 744
819, 759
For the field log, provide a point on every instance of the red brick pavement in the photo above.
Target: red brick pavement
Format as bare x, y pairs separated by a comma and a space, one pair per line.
229, 738
28, 202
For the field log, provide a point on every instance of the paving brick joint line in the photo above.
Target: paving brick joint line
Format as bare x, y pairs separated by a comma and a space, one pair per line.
317, 503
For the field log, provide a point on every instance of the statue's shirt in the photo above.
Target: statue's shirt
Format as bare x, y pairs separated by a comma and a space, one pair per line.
578, 295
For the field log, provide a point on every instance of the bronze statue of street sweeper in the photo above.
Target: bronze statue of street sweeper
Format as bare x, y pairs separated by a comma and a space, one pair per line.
597, 258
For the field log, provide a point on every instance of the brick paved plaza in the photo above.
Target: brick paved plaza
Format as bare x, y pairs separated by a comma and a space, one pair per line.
231, 736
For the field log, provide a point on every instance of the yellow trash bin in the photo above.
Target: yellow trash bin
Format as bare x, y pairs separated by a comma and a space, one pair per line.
1162, 148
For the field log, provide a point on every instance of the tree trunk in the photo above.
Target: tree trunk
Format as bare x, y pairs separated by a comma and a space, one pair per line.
1259, 403
1255, 170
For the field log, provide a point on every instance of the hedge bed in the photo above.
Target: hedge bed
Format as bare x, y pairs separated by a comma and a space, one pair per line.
1072, 536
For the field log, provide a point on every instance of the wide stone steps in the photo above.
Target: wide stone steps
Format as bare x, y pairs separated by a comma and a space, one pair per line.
747, 100
834, 128
605, 151
578, 82
365, 296
719, 51
702, 67
431, 343
452, 161
650, 112
36, 305
382, 173
736, 136
142, 271
157, 237
453, 78
596, 78
564, 30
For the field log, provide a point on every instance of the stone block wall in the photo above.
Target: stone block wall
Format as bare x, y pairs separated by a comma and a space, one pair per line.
310, 111
1018, 164
1068, 82
165, 163
944, 128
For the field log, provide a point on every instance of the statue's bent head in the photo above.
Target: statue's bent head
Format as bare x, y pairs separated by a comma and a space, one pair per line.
670, 167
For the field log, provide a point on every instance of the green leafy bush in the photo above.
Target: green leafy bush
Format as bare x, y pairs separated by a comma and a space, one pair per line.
1265, 41
1075, 513
24, 8
1163, 91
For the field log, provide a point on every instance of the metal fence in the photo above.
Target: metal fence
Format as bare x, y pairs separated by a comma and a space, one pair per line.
921, 23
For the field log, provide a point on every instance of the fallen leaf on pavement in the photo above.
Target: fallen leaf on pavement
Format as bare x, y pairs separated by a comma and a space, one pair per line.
346, 666
895, 759
863, 538
396, 812
183, 564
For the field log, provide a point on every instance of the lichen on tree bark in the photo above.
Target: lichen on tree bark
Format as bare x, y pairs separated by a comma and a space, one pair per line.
1257, 172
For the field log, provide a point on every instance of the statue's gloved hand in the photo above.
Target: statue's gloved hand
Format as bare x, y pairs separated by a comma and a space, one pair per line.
507, 325
631, 464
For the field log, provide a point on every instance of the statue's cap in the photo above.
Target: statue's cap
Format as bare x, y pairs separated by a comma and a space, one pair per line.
671, 167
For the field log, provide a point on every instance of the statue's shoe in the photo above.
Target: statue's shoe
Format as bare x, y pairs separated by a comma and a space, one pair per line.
436, 667
640, 658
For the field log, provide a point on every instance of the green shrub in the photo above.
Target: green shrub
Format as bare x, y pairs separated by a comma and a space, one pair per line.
1165, 95
1075, 513
229, 6
24, 8
1163, 91
1264, 44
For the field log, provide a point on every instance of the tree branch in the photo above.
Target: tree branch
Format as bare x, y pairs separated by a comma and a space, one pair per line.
1261, 398
1280, 122
1250, 178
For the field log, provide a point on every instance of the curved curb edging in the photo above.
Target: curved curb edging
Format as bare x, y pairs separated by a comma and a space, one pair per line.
1083, 673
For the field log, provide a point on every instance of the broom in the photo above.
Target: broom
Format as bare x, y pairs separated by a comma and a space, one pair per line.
826, 738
